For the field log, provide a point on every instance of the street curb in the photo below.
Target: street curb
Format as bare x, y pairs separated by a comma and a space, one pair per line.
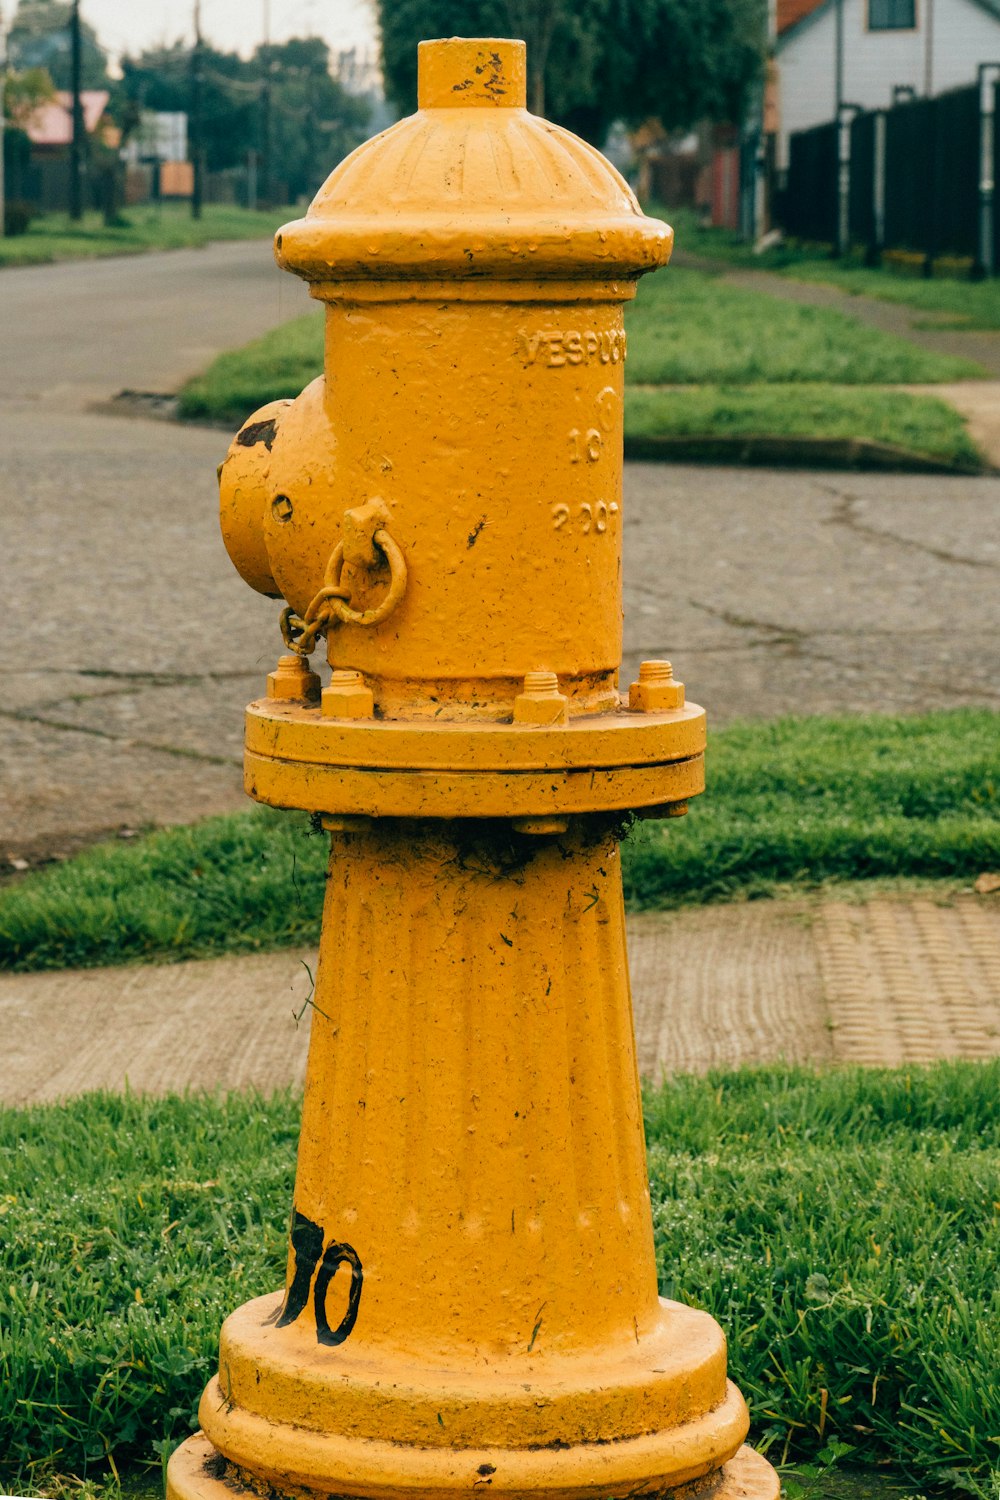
793, 452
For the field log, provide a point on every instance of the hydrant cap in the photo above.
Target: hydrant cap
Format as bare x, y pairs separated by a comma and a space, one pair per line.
473, 186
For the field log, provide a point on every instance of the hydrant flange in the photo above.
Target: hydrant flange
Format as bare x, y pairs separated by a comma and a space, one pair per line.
298, 757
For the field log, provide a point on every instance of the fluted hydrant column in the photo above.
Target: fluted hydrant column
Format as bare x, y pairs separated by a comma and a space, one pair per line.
471, 1298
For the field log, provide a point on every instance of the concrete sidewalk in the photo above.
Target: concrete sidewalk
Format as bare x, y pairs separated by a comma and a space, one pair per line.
888, 981
978, 403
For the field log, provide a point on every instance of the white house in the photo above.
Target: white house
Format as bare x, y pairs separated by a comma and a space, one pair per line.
877, 47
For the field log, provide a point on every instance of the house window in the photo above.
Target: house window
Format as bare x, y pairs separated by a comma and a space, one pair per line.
892, 15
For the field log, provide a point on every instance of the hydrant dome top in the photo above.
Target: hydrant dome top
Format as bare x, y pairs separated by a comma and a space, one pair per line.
473, 185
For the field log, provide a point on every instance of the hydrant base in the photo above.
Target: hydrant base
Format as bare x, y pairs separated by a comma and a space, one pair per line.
197, 1471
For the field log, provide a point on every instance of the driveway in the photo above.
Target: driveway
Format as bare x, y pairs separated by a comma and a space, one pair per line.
130, 645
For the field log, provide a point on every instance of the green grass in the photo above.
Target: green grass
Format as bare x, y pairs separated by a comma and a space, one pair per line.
843, 1226
790, 803
277, 365
951, 302
919, 424
288, 357
685, 327
170, 226
750, 366
689, 327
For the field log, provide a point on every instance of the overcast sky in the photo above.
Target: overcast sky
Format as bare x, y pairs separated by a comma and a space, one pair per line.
230, 25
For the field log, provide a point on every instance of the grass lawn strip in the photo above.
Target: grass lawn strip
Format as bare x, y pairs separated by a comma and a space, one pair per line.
688, 327
923, 425
685, 327
960, 305
284, 360
169, 226
791, 803
738, 364
843, 1227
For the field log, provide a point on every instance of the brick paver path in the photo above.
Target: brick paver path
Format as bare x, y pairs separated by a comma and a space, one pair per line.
888, 981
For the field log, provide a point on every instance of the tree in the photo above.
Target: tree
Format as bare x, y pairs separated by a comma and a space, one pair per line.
283, 103
314, 121
24, 94
682, 61
39, 38
160, 79
594, 61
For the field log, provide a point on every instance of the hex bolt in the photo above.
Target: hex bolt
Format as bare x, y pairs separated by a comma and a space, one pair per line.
540, 827
663, 810
281, 508
540, 702
293, 679
657, 691
345, 822
347, 697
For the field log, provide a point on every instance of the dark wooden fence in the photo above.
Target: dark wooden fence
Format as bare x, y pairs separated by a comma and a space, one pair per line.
905, 178
809, 206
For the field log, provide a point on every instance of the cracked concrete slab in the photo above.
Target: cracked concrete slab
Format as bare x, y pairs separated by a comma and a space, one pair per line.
777, 592
202, 717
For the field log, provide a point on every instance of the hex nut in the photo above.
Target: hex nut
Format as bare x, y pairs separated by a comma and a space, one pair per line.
347, 697
541, 703
293, 679
657, 690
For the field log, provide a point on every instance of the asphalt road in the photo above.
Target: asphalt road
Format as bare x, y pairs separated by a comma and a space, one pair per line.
129, 645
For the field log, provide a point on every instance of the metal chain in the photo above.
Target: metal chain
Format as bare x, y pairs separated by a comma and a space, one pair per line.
301, 632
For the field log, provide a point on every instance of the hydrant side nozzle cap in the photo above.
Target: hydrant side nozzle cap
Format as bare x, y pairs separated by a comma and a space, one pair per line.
472, 73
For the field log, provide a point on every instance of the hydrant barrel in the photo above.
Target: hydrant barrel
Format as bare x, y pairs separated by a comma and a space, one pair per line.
470, 1298
473, 262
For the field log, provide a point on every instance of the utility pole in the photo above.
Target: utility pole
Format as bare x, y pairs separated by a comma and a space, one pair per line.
311, 127
264, 176
195, 148
77, 143
3, 76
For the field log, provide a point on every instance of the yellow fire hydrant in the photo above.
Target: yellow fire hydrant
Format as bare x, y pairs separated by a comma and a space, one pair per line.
471, 1297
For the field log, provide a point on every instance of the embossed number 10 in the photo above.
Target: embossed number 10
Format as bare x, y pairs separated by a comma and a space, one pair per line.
585, 445
589, 444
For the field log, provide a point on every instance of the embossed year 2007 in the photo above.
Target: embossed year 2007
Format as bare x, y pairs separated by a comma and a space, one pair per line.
586, 517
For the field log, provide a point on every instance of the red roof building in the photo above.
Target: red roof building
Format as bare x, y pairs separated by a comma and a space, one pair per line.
51, 126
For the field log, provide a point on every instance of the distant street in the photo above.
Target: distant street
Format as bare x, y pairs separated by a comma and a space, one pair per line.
82, 331
130, 645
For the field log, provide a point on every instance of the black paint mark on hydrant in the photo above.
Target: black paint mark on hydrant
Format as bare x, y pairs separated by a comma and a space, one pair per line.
258, 432
474, 533
307, 1246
